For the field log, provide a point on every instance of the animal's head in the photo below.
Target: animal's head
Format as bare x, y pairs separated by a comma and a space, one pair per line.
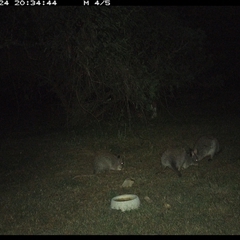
119, 163
194, 155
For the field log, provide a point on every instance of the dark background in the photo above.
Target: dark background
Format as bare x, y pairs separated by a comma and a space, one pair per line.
26, 98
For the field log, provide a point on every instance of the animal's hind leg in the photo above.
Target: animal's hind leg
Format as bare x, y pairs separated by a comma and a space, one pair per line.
176, 170
210, 157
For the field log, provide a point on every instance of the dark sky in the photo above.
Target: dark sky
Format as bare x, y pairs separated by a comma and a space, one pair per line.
222, 26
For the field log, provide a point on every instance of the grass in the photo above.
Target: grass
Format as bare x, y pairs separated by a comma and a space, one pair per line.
39, 194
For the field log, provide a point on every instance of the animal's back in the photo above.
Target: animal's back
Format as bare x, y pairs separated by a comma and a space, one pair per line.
105, 161
206, 146
177, 158
173, 155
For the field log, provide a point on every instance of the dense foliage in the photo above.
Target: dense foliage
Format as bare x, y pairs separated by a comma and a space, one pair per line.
104, 62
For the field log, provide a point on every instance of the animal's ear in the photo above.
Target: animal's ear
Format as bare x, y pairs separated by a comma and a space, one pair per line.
195, 151
189, 151
194, 155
